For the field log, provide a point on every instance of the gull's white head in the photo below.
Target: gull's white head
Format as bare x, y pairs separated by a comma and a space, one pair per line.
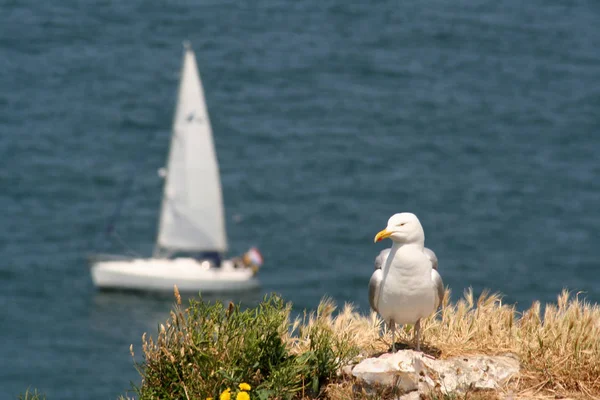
403, 228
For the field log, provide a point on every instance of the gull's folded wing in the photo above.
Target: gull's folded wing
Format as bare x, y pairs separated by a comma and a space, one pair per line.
374, 285
438, 285
382, 258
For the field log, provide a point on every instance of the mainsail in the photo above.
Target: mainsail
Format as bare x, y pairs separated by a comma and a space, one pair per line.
192, 212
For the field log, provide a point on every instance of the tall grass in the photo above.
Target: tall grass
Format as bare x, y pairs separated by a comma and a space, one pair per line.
31, 395
206, 348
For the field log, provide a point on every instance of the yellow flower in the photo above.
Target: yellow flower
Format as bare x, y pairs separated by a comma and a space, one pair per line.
209, 398
226, 395
245, 386
242, 396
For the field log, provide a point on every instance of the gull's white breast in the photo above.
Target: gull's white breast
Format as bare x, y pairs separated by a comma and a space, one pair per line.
407, 291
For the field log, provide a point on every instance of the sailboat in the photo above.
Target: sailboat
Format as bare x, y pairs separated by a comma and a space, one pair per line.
192, 216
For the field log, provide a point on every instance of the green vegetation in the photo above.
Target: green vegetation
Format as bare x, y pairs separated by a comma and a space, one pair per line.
205, 349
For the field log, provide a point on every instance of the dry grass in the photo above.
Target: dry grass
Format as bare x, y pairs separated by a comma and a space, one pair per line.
348, 326
205, 348
559, 350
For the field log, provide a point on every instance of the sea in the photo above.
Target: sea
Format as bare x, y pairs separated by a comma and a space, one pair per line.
481, 117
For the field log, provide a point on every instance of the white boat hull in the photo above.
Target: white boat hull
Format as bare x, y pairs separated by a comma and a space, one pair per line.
157, 274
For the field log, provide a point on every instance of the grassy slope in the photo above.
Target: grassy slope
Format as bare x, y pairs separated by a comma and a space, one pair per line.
205, 348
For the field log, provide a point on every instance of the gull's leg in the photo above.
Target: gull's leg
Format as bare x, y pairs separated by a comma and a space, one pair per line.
418, 334
393, 326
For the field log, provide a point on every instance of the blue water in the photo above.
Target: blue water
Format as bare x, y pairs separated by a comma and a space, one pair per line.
328, 117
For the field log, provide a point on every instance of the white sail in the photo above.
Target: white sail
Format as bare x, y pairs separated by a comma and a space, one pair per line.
192, 214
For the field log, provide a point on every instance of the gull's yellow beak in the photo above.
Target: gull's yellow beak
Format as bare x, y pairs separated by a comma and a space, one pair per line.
384, 234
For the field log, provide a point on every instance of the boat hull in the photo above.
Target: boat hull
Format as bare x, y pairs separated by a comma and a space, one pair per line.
153, 274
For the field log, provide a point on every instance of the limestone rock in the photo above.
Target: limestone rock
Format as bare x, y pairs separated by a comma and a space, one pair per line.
410, 396
414, 371
401, 369
346, 370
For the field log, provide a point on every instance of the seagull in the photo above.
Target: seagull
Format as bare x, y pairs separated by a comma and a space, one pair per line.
405, 285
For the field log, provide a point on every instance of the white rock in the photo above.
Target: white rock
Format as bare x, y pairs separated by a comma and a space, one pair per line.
346, 370
399, 369
410, 371
410, 396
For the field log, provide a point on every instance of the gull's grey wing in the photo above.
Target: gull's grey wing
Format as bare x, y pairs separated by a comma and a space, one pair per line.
434, 260
438, 285
382, 258
374, 285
